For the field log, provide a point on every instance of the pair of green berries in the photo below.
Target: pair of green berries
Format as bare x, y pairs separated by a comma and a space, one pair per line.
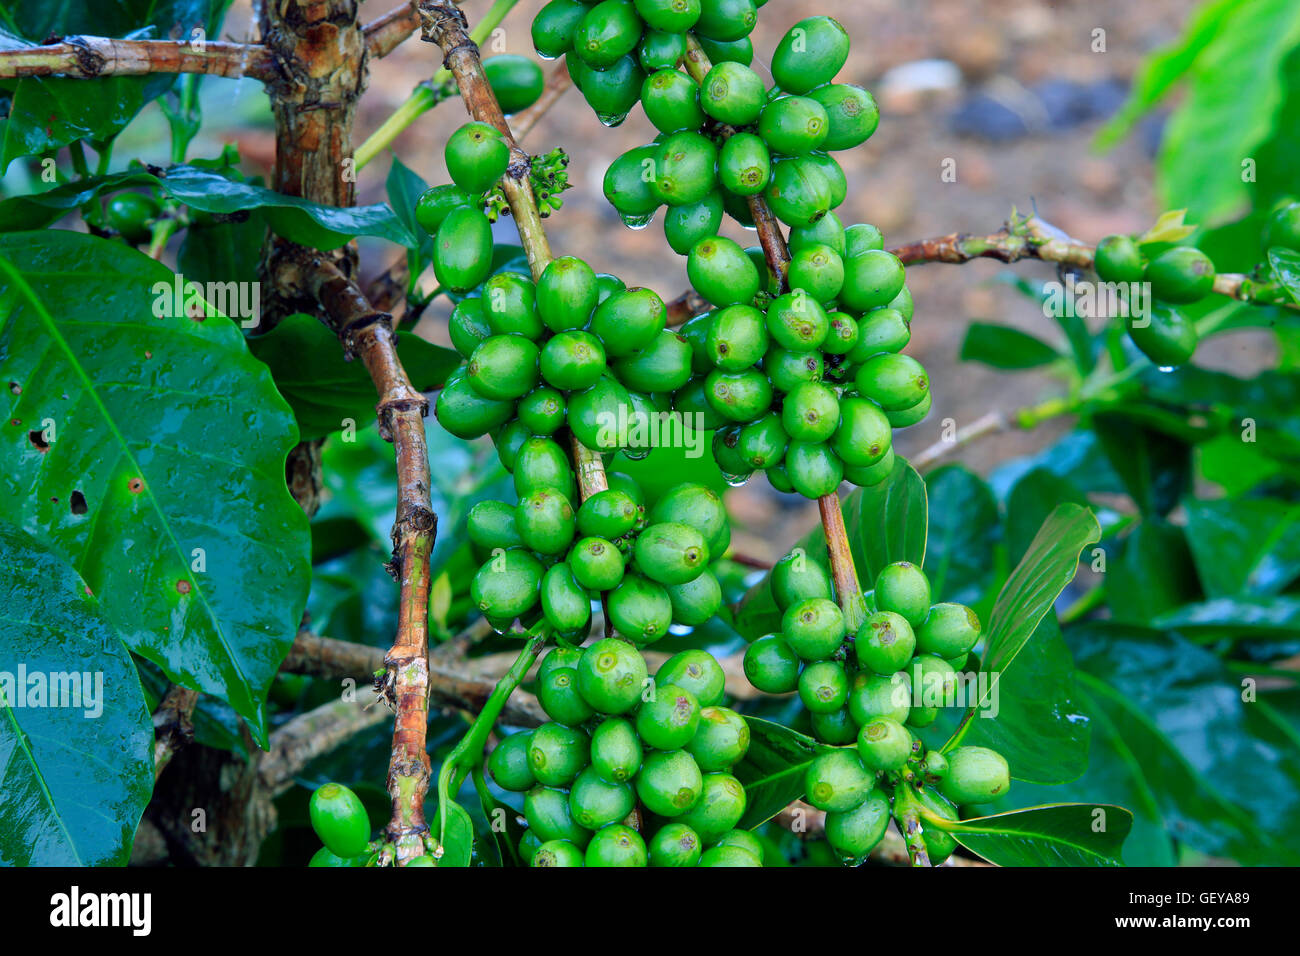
619, 739
1177, 276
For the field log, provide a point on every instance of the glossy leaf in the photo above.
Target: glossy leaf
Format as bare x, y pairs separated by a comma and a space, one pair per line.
457, 838
150, 453
1236, 618
1062, 834
222, 252
1153, 575
1033, 498
1028, 596
76, 762
1156, 468
773, 769
964, 530
1245, 546
1004, 347
303, 222
323, 388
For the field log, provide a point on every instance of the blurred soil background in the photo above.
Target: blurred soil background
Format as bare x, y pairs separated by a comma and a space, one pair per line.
1010, 91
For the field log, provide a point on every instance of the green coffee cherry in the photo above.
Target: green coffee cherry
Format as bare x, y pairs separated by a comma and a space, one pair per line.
675, 844
557, 658
507, 585
874, 695
771, 665
762, 443
719, 809
508, 763
799, 193
1119, 259
871, 279
640, 609
547, 811
721, 741
833, 172
950, 630
541, 411
663, 365
688, 224
811, 413
671, 16
1283, 228
516, 80
324, 858
855, 833
933, 681
541, 463
851, 113
477, 156
726, 19
975, 775
696, 671
503, 367
720, 271
566, 294
671, 553
616, 845
596, 564
813, 469
894, 382
837, 780
670, 782
607, 514
660, 50
594, 413
823, 687
836, 727
729, 51
737, 338
843, 336
557, 754
1165, 335
827, 231
467, 414
738, 396
615, 750
905, 417
1179, 275
510, 305
672, 101
132, 214
684, 169
903, 588
669, 719
696, 602
733, 93
608, 32
882, 330
860, 238
793, 125
434, 204
817, 270
557, 853
594, 802
884, 744
744, 165
339, 819
468, 326
491, 524
572, 360
796, 321
628, 321
797, 577
814, 628
611, 675
462, 252
885, 642
810, 54
628, 180
743, 840
863, 436
558, 693
509, 441
555, 25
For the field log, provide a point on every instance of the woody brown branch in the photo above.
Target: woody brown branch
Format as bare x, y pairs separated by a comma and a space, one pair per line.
387, 33
173, 725
557, 83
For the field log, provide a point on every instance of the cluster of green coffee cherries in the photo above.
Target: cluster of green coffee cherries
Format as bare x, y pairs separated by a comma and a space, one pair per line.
1177, 276
867, 692
630, 770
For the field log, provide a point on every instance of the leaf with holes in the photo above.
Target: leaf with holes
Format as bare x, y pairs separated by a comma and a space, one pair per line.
76, 767
149, 452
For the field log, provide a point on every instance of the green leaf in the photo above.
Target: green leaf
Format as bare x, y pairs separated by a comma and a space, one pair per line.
404, 190
300, 221
1244, 546
1030, 593
1215, 776
1153, 575
1170, 227
1235, 94
323, 388
964, 531
1061, 834
37, 19
1166, 67
150, 453
77, 768
222, 252
885, 523
1236, 618
773, 769
458, 838
1033, 498
1035, 718
1285, 264
1156, 468
1002, 346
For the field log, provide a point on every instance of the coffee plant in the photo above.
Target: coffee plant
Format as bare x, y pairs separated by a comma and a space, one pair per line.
579, 668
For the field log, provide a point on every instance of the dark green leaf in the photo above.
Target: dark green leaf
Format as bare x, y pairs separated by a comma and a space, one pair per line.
773, 769
1029, 594
78, 759
1156, 468
223, 252
1033, 498
176, 514
1062, 834
964, 531
1236, 618
1002, 346
1286, 270
1244, 546
1153, 575
323, 388
457, 838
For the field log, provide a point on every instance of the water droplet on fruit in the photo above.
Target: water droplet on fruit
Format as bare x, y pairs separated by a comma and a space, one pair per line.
636, 222
611, 119
735, 480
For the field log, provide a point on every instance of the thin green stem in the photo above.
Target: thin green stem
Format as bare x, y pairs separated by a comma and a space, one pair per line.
426, 97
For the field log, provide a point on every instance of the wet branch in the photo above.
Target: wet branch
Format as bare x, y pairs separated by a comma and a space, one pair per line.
93, 57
